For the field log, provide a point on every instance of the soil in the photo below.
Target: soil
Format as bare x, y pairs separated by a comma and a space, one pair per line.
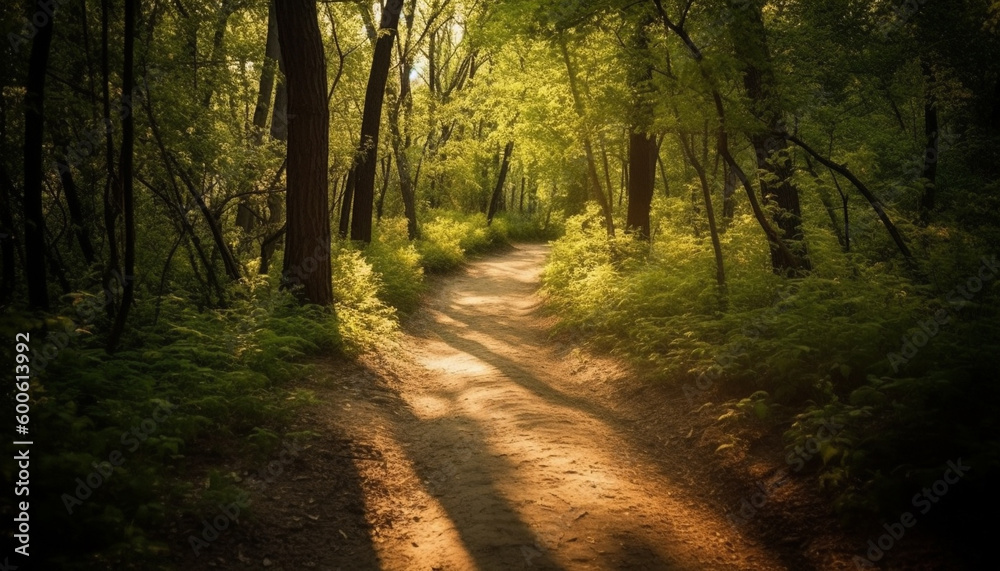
479, 440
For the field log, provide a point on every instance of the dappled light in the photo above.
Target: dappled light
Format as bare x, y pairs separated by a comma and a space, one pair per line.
526, 284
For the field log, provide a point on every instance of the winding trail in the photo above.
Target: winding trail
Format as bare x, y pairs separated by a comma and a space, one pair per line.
480, 442
516, 467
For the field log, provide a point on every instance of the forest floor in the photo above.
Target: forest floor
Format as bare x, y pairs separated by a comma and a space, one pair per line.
481, 441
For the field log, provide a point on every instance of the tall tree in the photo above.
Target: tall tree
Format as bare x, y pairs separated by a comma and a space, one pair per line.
307, 238
128, 198
749, 36
588, 146
34, 119
364, 181
642, 147
501, 179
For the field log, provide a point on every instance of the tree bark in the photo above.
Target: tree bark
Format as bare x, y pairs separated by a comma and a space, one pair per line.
758, 79
307, 239
501, 178
128, 194
364, 190
34, 217
111, 184
271, 53
641, 180
931, 137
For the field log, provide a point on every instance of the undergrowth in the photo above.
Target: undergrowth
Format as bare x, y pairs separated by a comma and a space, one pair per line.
193, 389
899, 361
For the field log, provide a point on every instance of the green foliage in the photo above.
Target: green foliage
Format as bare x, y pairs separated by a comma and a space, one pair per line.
803, 352
447, 237
365, 320
190, 385
397, 262
518, 227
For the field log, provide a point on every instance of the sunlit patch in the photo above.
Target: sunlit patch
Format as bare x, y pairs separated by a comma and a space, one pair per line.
430, 406
478, 300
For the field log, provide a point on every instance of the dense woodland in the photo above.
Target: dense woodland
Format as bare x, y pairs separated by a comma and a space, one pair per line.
786, 210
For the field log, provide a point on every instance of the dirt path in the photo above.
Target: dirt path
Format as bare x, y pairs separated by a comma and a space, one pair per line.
482, 443
518, 468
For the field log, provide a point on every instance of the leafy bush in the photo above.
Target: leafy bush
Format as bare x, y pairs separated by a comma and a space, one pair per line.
448, 236
365, 320
397, 262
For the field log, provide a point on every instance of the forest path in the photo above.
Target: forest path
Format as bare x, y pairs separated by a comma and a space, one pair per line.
504, 455
481, 442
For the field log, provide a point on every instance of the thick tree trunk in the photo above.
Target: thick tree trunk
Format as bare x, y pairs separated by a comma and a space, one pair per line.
641, 180
307, 240
364, 190
643, 149
34, 218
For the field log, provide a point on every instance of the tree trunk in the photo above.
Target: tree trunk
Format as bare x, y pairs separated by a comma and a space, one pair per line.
271, 53
758, 79
520, 202
399, 148
6, 238
346, 202
728, 197
364, 190
128, 195
386, 167
594, 180
641, 180
501, 178
111, 183
76, 212
931, 137
279, 117
720, 274
307, 239
34, 217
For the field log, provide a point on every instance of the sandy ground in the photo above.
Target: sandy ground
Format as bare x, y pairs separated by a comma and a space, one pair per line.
481, 442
